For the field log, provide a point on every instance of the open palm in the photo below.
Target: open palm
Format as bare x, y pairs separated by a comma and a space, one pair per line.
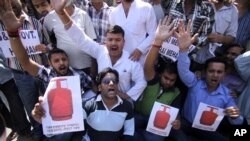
165, 29
7, 16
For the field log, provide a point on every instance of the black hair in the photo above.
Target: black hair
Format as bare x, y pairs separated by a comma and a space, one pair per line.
102, 74
116, 29
235, 45
216, 60
164, 65
55, 51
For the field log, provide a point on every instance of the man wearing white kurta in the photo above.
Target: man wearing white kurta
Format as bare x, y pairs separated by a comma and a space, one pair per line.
131, 76
138, 20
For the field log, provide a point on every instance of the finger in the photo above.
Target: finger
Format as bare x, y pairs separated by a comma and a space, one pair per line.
189, 26
177, 35
169, 19
181, 26
164, 22
21, 20
160, 22
195, 37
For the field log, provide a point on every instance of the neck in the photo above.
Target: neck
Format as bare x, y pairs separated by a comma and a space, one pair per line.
114, 58
70, 9
242, 11
126, 5
218, 5
109, 102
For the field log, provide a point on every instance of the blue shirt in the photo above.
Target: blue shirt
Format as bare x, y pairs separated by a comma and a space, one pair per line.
198, 92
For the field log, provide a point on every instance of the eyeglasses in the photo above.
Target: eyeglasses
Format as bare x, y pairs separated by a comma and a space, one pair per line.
108, 80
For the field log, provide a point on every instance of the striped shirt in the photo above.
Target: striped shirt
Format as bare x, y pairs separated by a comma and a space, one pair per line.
100, 19
203, 18
243, 33
111, 125
30, 24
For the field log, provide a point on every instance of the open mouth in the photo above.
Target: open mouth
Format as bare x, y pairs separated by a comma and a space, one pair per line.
214, 81
62, 68
114, 48
111, 90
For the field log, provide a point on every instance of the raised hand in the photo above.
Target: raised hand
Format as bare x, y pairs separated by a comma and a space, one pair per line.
165, 29
58, 5
8, 17
183, 36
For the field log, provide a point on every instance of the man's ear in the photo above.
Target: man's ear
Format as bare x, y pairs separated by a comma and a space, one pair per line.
99, 88
49, 63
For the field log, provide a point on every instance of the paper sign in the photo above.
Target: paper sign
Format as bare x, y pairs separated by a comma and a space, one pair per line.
208, 117
62, 103
161, 118
29, 39
170, 49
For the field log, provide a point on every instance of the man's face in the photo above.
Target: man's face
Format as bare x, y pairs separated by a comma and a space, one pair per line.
114, 43
168, 80
215, 74
97, 4
17, 7
108, 86
60, 63
42, 7
232, 53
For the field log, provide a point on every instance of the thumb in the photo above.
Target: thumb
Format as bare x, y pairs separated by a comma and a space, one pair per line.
21, 20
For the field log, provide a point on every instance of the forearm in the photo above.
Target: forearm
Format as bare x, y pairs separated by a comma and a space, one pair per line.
183, 64
226, 39
151, 58
242, 63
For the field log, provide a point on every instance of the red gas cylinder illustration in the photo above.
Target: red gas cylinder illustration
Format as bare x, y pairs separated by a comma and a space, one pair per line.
60, 102
162, 118
209, 117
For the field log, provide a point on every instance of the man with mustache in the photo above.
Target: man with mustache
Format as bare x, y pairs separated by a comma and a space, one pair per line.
107, 116
58, 59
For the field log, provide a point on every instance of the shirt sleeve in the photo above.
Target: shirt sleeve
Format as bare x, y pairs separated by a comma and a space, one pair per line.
139, 82
187, 77
242, 64
151, 25
83, 42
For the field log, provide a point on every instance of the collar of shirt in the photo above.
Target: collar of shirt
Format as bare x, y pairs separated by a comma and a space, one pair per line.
219, 89
90, 5
99, 98
54, 74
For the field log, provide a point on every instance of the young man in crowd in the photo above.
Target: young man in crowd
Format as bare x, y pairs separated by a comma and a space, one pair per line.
161, 88
132, 82
118, 124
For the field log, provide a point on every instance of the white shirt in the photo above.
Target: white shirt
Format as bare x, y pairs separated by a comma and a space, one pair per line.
141, 20
226, 23
77, 58
131, 75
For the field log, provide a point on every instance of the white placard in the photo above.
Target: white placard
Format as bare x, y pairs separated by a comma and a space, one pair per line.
161, 118
208, 117
29, 39
170, 49
63, 106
